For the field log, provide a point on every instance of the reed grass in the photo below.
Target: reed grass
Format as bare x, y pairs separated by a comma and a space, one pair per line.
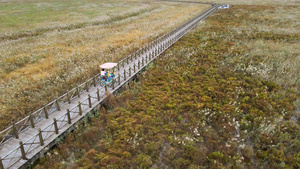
38, 67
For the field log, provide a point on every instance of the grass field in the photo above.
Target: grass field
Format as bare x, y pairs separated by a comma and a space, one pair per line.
225, 96
26, 16
50, 46
252, 2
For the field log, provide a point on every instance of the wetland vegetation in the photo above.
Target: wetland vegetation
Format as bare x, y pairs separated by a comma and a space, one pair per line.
225, 96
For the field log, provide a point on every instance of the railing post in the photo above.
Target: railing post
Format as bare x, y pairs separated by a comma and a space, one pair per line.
124, 74
146, 58
78, 93
118, 66
41, 137
131, 58
68, 97
15, 131
90, 102
31, 121
140, 53
22, 150
129, 71
45, 112
119, 79
113, 84
134, 67
1, 164
57, 105
79, 107
86, 86
69, 116
143, 61
123, 63
94, 81
55, 126
98, 95
127, 60
139, 64
105, 86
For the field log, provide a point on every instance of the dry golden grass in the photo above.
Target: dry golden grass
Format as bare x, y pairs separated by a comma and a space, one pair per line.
252, 2
279, 58
35, 70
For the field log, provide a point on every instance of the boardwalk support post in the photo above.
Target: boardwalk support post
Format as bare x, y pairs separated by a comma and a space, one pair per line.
124, 74
98, 95
55, 125
57, 105
94, 81
129, 71
31, 121
69, 116
119, 79
79, 107
146, 58
90, 102
1, 164
86, 86
78, 93
41, 137
68, 97
22, 150
45, 112
15, 130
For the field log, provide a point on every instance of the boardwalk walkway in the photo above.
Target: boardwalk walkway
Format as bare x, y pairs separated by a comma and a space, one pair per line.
31, 137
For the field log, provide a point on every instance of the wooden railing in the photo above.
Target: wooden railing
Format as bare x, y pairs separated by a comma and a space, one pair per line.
136, 60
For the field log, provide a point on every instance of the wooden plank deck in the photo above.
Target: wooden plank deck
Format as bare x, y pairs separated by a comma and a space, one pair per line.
32, 145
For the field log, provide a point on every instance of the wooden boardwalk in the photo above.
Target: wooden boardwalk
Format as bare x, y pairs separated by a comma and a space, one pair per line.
31, 137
